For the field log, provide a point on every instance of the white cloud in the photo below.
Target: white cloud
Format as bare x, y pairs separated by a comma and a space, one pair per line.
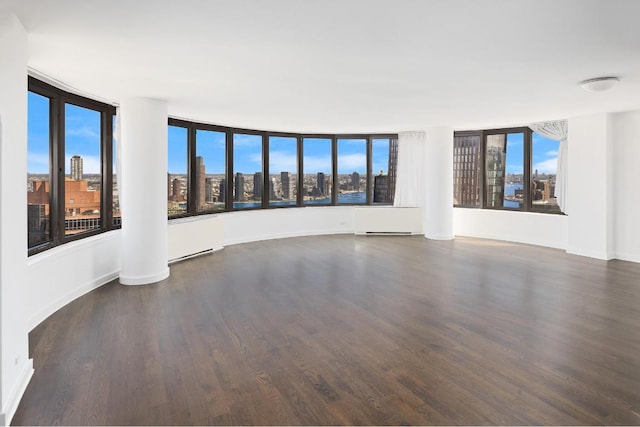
352, 162
546, 166
241, 140
282, 161
313, 164
83, 132
38, 163
552, 153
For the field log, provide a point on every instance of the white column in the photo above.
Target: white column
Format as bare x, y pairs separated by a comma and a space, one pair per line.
143, 194
15, 366
438, 172
590, 186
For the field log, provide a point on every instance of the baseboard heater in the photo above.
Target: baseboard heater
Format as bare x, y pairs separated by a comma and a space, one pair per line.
195, 236
388, 221
387, 233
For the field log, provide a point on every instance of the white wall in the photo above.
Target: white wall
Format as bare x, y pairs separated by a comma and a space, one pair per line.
523, 227
590, 186
240, 227
15, 365
58, 276
626, 203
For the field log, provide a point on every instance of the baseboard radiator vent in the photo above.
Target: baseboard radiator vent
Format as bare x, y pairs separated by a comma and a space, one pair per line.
387, 233
195, 236
388, 220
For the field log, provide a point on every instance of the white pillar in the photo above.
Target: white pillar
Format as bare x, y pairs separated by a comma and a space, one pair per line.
15, 366
438, 172
590, 210
143, 194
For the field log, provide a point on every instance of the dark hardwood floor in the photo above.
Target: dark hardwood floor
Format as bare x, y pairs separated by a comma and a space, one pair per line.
349, 330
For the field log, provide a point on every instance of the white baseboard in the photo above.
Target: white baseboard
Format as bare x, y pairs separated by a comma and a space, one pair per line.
16, 394
283, 236
627, 257
537, 242
145, 280
605, 256
63, 300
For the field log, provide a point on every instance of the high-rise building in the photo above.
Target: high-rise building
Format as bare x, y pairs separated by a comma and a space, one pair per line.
495, 169
381, 189
76, 168
239, 188
355, 181
201, 191
287, 185
209, 193
175, 190
321, 184
273, 185
223, 190
393, 167
258, 185
466, 170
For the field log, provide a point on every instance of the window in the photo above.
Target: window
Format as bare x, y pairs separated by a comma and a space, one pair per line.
83, 175
318, 171
544, 158
177, 176
116, 196
70, 177
38, 168
384, 160
248, 181
352, 171
466, 170
283, 171
210, 182
518, 169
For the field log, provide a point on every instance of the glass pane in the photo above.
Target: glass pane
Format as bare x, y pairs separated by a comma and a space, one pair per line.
38, 180
283, 171
317, 173
177, 171
210, 171
495, 169
352, 171
466, 170
384, 157
544, 157
116, 195
248, 181
513, 188
82, 205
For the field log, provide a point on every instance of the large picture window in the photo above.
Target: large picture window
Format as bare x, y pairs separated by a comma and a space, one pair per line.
352, 171
318, 171
512, 169
70, 178
283, 171
210, 171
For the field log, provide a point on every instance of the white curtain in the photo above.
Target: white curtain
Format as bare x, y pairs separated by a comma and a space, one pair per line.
410, 184
557, 130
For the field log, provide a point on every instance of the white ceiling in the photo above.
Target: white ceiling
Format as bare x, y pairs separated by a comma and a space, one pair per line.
343, 65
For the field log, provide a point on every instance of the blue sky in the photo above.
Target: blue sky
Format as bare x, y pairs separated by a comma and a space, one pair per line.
83, 135
544, 156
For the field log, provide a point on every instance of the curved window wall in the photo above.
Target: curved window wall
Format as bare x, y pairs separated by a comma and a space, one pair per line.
72, 185
230, 169
70, 178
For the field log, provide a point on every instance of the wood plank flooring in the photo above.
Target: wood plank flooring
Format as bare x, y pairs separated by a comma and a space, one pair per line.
335, 330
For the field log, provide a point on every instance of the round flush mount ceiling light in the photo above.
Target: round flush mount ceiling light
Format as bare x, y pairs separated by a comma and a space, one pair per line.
599, 84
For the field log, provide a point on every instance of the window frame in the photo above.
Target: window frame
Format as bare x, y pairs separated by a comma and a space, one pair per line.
527, 205
192, 127
58, 98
